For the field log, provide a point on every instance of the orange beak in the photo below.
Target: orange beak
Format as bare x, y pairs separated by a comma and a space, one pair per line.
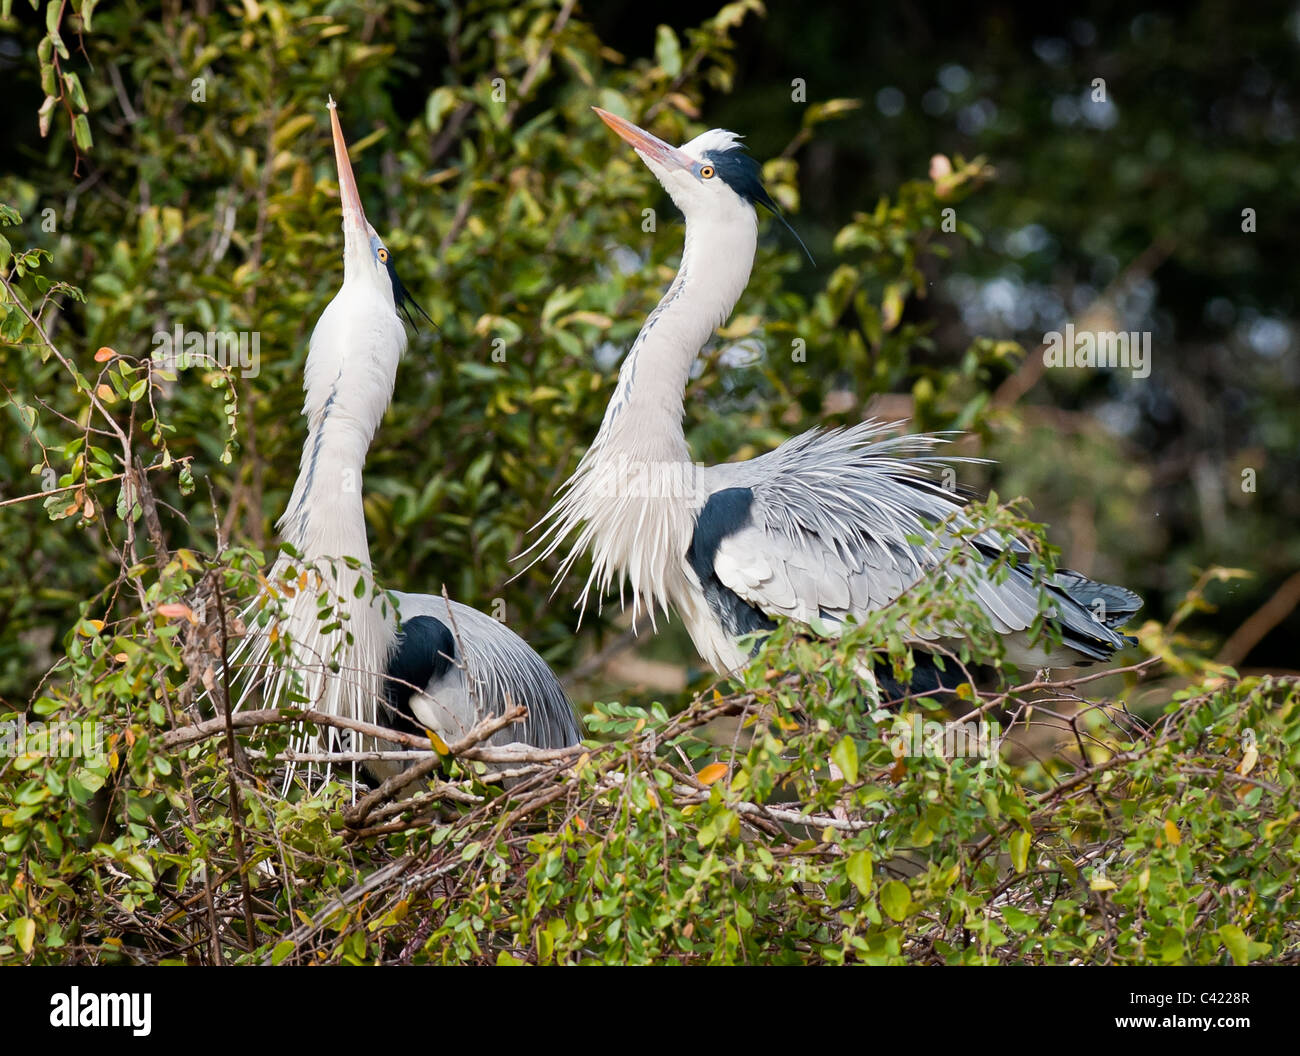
651, 148
354, 217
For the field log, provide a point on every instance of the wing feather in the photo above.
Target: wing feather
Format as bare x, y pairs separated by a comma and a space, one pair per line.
828, 530
499, 670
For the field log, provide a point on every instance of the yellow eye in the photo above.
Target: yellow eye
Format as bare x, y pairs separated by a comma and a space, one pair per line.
382, 253
706, 172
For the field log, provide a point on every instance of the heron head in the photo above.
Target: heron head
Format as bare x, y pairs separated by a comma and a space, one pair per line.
711, 176
366, 258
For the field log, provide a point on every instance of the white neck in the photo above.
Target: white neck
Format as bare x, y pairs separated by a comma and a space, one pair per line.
647, 403
348, 381
633, 493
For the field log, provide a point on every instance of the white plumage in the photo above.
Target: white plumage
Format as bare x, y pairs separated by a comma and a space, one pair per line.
815, 531
353, 648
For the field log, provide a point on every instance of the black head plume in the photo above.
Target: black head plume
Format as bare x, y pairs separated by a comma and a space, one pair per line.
404, 301
743, 174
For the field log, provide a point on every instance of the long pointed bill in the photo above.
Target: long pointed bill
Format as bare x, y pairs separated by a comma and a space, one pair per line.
354, 217
651, 148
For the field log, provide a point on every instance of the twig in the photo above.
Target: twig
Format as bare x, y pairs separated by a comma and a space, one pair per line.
1261, 621
330, 758
481, 731
236, 763
355, 893
91, 483
201, 731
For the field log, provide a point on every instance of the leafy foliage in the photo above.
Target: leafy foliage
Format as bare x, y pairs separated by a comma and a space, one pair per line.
717, 831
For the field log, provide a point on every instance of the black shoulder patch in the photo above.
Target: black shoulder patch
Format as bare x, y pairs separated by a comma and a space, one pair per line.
724, 514
425, 651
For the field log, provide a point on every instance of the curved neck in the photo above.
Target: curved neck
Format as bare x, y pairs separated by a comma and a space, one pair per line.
627, 500
647, 402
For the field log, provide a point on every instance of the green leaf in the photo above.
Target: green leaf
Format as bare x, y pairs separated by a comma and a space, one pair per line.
845, 756
24, 930
895, 899
81, 132
668, 53
1241, 948
1019, 845
140, 864
859, 870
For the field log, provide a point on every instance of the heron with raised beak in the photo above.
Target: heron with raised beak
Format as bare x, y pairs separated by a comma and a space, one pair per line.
828, 527
404, 661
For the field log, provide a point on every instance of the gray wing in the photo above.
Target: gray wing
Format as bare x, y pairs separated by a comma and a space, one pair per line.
478, 667
826, 536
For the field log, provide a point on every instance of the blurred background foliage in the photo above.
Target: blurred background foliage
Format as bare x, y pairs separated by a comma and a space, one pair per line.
186, 180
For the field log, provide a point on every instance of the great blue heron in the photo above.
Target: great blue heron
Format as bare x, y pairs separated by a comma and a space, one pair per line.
815, 531
355, 655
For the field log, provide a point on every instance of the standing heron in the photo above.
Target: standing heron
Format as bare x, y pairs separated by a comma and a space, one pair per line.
820, 529
418, 662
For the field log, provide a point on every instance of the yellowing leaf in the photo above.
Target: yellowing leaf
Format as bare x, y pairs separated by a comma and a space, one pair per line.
741, 326
1240, 946
1019, 844
891, 308
895, 899
711, 773
1172, 834
25, 933
680, 102
103, 354
596, 319
858, 870
845, 756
